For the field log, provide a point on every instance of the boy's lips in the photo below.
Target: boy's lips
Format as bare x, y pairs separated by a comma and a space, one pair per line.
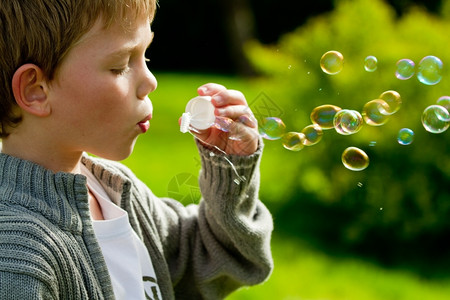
144, 124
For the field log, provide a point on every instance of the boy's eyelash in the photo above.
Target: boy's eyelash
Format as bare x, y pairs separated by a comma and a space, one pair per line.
124, 70
120, 71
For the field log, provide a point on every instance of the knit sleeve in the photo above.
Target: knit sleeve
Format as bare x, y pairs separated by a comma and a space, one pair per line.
12, 287
223, 243
237, 225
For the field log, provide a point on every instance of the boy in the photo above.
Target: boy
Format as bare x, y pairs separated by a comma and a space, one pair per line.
74, 80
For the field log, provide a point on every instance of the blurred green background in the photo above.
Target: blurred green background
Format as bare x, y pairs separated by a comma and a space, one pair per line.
379, 233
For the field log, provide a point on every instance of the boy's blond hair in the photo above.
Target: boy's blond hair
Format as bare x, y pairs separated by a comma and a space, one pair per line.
42, 32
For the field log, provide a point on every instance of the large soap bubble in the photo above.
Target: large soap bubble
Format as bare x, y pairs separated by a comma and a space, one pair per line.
272, 128
332, 62
347, 121
355, 159
405, 136
430, 70
294, 141
370, 63
324, 115
376, 112
313, 134
405, 69
435, 119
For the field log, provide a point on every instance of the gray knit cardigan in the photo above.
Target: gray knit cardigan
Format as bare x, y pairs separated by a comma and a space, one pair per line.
48, 249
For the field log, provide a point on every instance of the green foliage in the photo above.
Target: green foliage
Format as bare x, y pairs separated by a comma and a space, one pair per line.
402, 200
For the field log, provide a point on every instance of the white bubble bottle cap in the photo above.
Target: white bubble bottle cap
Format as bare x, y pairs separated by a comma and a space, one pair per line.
199, 114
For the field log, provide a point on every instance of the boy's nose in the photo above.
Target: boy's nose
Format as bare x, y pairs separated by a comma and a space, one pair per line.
148, 84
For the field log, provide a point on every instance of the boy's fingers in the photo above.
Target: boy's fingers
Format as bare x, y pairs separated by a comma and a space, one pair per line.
235, 112
210, 89
221, 96
228, 97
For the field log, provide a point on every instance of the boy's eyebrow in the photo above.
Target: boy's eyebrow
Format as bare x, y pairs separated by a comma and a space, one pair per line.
131, 48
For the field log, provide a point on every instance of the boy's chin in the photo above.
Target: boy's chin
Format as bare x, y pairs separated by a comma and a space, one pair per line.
117, 155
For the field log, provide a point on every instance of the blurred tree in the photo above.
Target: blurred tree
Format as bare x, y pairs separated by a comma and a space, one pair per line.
240, 28
205, 36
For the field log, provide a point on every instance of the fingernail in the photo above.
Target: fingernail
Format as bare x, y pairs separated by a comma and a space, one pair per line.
202, 90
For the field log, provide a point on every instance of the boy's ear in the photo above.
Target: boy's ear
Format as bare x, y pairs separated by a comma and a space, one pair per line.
30, 90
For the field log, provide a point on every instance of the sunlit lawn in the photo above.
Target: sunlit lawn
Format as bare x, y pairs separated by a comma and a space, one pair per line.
301, 272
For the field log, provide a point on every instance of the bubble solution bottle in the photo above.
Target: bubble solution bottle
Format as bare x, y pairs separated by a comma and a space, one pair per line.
199, 114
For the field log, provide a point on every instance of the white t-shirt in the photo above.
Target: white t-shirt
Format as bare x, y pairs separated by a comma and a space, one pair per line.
129, 264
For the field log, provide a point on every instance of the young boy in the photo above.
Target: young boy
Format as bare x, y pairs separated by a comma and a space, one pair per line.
74, 81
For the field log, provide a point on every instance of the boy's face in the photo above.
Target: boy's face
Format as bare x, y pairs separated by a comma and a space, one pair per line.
99, 94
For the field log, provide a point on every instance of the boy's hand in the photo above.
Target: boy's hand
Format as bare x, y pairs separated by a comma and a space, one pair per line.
241, 136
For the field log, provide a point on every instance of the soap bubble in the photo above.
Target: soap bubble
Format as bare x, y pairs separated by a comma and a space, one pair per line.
393, 100
234, 128
332, 62
313, 134
324, 115
375, 112
293, 141
405, 136
355, 159
430, 70
435, 119
445, 102
347, 121
405, 69
370, 63
223, 124
272, 128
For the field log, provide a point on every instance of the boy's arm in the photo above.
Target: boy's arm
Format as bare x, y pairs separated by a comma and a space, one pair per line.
223, 243
239, 222
15, 286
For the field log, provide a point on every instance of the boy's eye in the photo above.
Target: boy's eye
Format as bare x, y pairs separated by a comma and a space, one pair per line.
120, 71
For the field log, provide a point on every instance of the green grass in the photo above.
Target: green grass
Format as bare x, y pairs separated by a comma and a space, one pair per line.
301, 272
304, 273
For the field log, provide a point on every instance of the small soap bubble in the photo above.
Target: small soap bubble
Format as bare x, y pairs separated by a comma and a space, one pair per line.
324, 115
223, 124
405, 136
405, 69
293, 141
445, 102
272, 128
370, 63
313, 134
355, 159
347, 121
393, 100
435, 119
332, 62
430, 70
375, 112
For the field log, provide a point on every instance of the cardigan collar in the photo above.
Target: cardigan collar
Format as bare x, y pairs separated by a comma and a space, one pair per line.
62, 198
